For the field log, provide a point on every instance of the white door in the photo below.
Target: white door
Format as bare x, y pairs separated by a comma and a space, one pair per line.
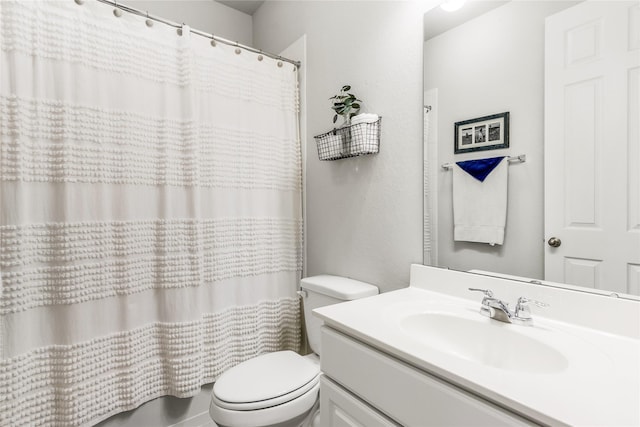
592, 148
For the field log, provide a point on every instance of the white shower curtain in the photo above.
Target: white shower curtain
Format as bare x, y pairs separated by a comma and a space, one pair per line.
150, 211
427, 243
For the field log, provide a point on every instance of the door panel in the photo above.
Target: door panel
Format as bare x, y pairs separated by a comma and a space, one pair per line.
592, 152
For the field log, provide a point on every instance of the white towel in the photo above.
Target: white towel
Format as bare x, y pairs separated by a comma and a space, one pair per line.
364, 118
480, 207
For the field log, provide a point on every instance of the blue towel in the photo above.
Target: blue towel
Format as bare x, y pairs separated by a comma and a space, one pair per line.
481, 168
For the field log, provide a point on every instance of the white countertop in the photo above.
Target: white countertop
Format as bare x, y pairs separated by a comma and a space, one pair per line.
599, 386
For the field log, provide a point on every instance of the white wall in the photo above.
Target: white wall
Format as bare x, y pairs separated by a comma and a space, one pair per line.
205, 15
364, 214
492, 64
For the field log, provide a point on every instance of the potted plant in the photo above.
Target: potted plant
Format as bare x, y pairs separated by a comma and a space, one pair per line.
345, 104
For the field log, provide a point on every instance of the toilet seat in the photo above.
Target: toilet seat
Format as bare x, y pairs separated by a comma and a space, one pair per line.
267, 403
266, 390
266, 380
287, 414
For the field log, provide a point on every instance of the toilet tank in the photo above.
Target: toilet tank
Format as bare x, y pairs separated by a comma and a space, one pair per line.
322, 290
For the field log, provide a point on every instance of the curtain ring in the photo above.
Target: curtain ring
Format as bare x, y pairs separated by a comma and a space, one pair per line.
149, 21
117, 12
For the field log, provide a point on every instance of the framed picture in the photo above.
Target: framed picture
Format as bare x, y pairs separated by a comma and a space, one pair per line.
483, 133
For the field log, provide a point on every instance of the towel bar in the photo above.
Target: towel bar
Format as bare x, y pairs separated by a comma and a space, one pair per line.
520, 159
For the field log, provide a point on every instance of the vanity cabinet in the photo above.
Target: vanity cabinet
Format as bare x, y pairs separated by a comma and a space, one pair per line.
358, 373
339, 408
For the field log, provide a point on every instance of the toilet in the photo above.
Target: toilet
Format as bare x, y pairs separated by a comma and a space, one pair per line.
281, 389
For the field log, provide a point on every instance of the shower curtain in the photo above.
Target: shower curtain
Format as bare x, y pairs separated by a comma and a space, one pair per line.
150, 211
427, 249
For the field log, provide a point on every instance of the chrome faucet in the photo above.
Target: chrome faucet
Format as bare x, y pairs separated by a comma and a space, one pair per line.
497, 309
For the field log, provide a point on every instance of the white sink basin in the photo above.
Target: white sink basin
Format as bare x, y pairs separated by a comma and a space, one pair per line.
484, 341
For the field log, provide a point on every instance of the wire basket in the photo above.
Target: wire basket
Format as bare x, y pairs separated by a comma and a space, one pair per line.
349, 141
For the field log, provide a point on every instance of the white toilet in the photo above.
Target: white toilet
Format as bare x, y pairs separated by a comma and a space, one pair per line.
281, 389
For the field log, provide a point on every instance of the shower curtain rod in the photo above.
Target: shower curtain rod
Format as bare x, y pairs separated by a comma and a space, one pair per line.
145, 14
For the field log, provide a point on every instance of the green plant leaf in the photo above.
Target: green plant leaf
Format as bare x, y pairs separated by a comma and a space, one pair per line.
344, 104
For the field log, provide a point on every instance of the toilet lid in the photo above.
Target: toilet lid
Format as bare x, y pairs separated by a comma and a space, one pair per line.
265, 377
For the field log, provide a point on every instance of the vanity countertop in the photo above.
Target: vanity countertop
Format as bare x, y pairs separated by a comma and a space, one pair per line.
595, 382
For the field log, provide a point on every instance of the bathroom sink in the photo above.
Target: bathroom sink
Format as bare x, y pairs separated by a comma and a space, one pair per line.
484, 341
530, 369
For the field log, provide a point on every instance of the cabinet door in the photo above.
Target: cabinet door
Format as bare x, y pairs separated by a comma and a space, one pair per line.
410, 396
339, 408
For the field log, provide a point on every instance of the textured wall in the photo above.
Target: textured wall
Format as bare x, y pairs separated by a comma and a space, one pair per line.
364, 215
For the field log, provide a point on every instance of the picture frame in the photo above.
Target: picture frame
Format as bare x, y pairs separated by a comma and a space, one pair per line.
482, 133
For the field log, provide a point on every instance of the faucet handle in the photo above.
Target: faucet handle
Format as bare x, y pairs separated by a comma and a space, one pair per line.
487, 292
523, 313
488, 297
524, 300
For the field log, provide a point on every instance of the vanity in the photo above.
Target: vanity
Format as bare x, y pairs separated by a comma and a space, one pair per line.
426, 356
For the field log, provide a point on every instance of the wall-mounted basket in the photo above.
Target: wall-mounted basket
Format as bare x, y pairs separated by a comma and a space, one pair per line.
349, 141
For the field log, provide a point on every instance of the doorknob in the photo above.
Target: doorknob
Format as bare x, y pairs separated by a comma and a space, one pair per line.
554, 242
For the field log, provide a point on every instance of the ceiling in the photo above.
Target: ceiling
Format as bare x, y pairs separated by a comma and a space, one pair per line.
246, 6
437, 21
